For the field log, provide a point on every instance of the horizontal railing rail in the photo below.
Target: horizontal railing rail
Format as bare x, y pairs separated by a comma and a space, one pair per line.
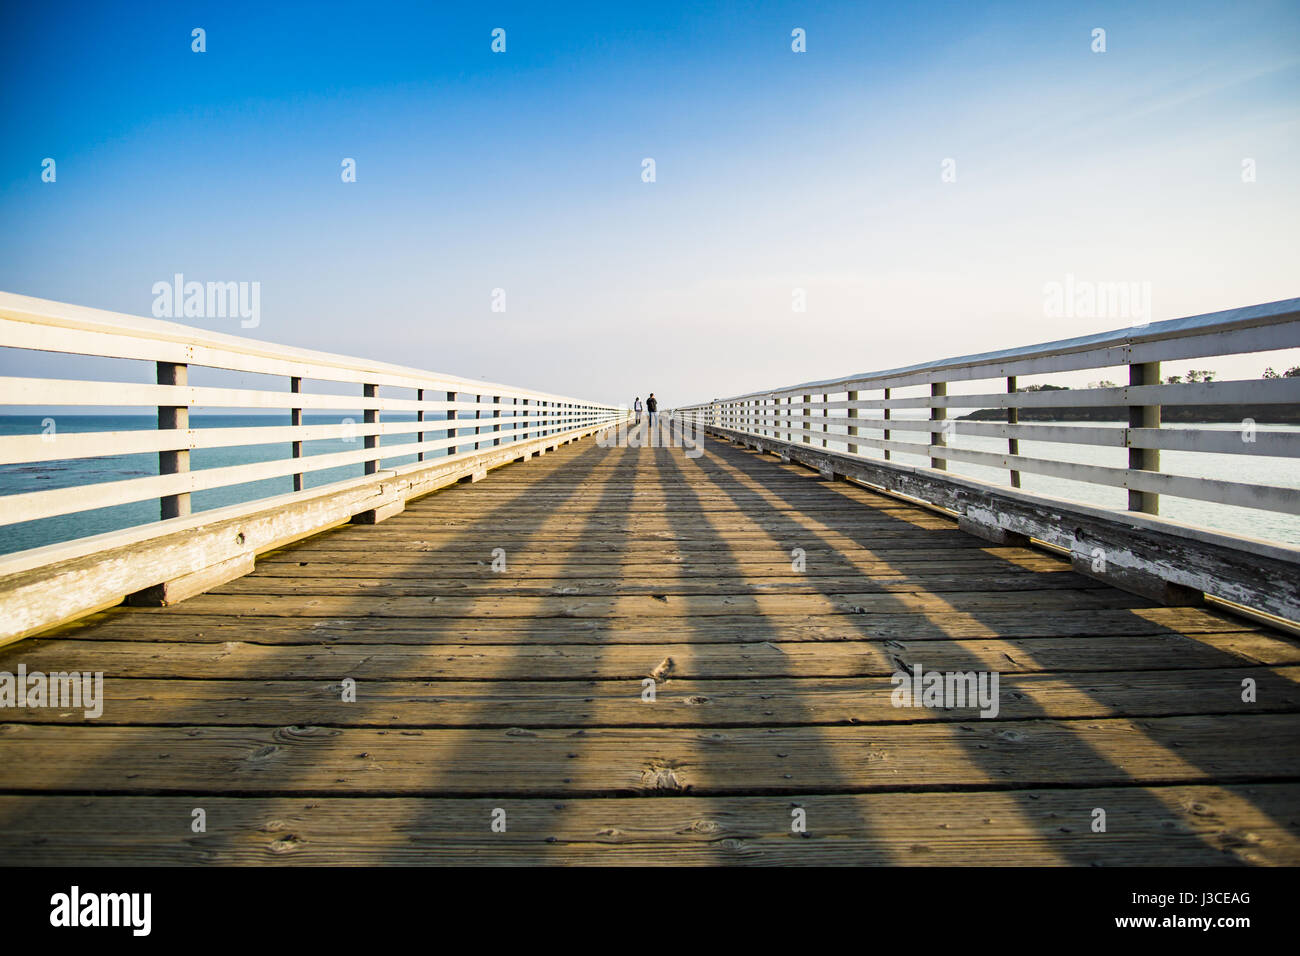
862, 416
1255, 328
416, 431
471, 414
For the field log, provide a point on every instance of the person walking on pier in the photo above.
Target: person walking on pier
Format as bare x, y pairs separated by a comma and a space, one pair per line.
636, 407
651, 406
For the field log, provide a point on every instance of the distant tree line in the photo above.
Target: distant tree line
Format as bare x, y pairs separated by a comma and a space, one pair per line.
1193, 375
1288, 413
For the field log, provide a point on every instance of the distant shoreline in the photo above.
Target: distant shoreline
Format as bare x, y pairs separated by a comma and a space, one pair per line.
1288, 414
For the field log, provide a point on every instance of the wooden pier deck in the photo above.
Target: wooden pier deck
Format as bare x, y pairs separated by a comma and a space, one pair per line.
521, 690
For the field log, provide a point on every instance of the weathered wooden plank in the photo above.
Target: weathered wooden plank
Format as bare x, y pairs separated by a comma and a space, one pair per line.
717, 523
788, 760
551, 661
118, 625
210, 628
791, 583
616, 538
1167, 825
348, 546
534, 563
689, 606
519, 567
801, 493
767, 702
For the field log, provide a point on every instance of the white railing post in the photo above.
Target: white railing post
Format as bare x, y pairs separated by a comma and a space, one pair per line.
1013, 418
888, 415
295, 419
419, 417
452, 433
478, 415
937, 414
853, 429
176, 461
1144, 416
371, 418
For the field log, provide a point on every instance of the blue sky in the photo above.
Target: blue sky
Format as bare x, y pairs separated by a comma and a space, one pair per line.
775, 171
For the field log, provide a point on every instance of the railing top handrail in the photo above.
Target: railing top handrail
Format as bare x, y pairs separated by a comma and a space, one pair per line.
1269, 313
45, 312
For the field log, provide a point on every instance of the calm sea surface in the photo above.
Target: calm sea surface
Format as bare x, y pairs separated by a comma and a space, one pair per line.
14, 479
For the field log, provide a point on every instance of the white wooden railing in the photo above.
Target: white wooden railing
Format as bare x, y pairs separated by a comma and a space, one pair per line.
477, 425
860, 412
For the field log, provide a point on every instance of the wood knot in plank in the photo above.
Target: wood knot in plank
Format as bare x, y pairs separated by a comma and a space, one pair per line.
661, 776
660, 673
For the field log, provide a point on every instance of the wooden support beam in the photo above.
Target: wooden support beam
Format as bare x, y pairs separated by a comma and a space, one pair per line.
188, 585
380, 513
992, 532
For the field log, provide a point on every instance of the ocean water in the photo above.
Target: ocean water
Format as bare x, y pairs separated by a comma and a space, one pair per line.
15, 479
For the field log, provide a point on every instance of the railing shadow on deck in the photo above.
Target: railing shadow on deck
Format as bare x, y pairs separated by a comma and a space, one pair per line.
690, 520
532, 846
753, 490
224, 843
752, 502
